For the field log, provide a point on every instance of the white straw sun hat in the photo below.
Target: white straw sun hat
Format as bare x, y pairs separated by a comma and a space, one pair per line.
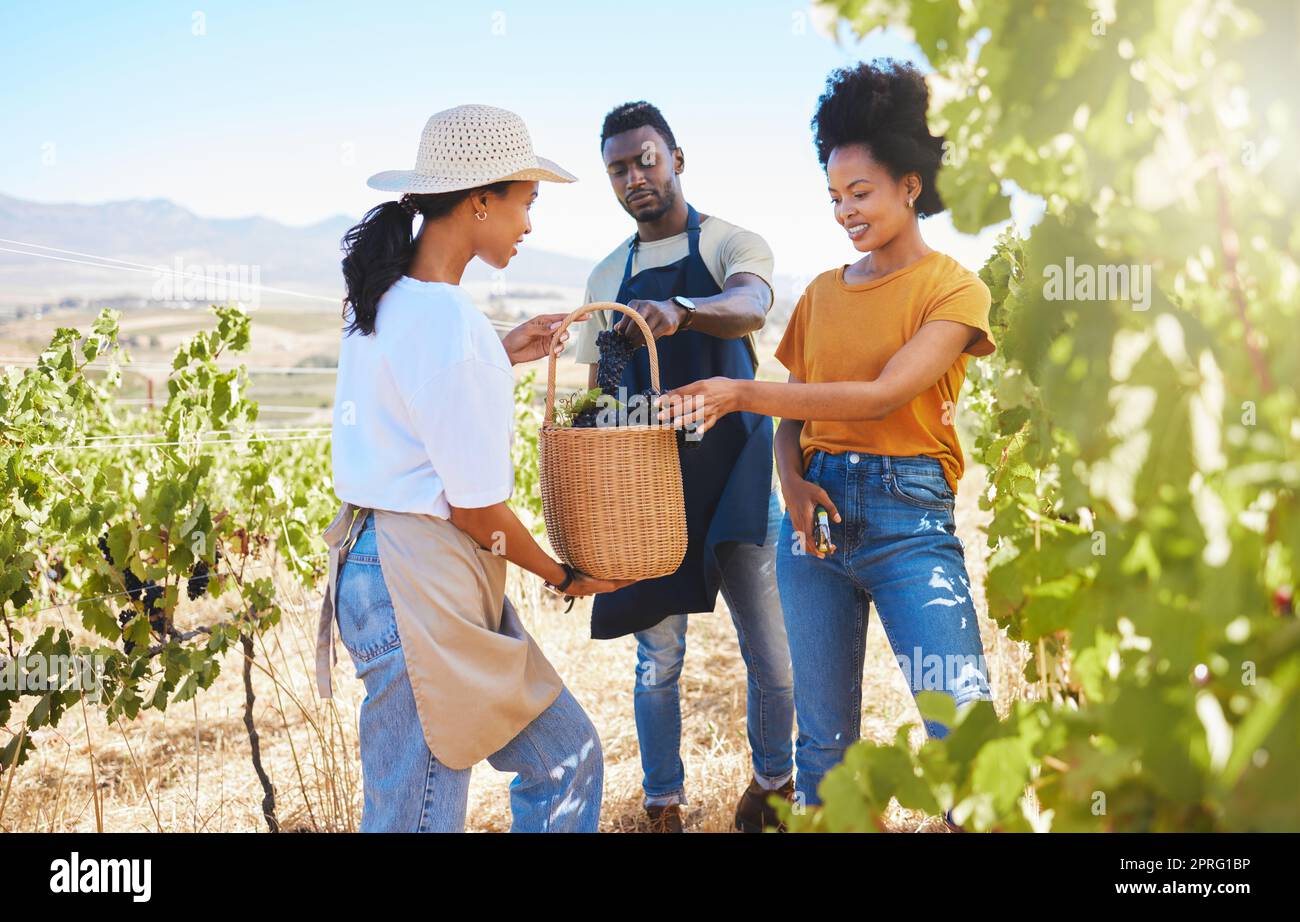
471, 146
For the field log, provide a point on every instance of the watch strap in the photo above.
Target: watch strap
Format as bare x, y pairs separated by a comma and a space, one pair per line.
569, 574
690, 311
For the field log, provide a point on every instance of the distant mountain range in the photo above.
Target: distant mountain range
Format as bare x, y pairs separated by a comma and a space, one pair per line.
157, 232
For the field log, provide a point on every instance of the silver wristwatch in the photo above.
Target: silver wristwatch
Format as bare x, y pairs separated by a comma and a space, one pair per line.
689, 306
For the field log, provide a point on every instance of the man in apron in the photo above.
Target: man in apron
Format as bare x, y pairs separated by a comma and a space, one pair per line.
703, 287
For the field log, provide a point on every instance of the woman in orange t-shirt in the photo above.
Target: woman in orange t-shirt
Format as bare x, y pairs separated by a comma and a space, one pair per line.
877, 353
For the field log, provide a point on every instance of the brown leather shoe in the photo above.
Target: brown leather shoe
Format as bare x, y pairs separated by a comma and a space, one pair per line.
665, 819
754, 813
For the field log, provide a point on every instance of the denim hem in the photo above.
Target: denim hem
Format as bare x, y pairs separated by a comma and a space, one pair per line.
664, 800
771, 784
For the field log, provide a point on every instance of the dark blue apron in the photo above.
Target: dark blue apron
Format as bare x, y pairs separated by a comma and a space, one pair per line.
726, 477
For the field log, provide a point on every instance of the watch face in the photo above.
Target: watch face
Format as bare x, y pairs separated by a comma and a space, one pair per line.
685, 302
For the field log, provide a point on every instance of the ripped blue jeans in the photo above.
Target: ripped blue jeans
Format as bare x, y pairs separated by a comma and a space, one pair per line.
897, 546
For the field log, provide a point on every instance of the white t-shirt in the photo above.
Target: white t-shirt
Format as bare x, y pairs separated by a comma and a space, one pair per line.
424, 407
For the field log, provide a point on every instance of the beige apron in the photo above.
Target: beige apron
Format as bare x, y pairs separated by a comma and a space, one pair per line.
478, 677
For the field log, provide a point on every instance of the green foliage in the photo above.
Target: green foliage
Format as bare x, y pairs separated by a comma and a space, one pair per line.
526, 501
165, 489
568, 408
1142, 469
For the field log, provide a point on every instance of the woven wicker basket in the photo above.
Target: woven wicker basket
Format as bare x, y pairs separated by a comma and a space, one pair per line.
612, 497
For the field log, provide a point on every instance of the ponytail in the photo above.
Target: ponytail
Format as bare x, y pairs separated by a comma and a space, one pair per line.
377, 252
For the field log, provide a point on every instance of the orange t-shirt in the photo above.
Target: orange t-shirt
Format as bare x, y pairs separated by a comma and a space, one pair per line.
843, 332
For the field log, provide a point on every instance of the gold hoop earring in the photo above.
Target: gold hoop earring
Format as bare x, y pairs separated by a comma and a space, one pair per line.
909, 203
482, 216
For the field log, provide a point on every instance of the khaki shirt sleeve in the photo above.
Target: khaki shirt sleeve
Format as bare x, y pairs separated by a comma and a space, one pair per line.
746, 251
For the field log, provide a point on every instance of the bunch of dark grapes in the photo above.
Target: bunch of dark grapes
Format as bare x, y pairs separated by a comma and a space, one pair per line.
200, 576
157, 621
615, 352
641, 407
631, 413
146, 592
198, 581
124, 618
141, 591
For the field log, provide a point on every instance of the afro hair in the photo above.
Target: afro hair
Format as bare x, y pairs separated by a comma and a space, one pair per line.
882, 105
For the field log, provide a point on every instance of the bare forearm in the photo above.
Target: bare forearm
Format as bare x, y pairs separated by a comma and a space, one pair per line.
730, 314
845, 400
921, 362
497, 527
789, 454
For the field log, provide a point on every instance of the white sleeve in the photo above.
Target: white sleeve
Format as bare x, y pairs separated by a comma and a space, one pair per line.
465, 416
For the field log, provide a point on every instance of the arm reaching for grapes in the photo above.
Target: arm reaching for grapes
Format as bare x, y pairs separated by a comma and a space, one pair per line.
498, 529
921, 362
741, 307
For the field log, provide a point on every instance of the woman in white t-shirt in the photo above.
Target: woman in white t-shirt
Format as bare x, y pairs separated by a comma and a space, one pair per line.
423, 420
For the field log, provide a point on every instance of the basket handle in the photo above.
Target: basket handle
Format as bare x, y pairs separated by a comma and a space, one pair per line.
582, 312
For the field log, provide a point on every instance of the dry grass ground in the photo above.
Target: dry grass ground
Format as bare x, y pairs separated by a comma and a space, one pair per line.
189, 769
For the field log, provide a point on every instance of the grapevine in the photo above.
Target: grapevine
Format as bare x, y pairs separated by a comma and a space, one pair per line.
112, 529
1139, 453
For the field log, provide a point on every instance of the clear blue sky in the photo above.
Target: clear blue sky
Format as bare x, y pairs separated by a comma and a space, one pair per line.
284, 109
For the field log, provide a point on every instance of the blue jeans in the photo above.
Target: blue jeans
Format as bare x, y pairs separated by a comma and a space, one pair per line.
749, 589
897, 545
557, 757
